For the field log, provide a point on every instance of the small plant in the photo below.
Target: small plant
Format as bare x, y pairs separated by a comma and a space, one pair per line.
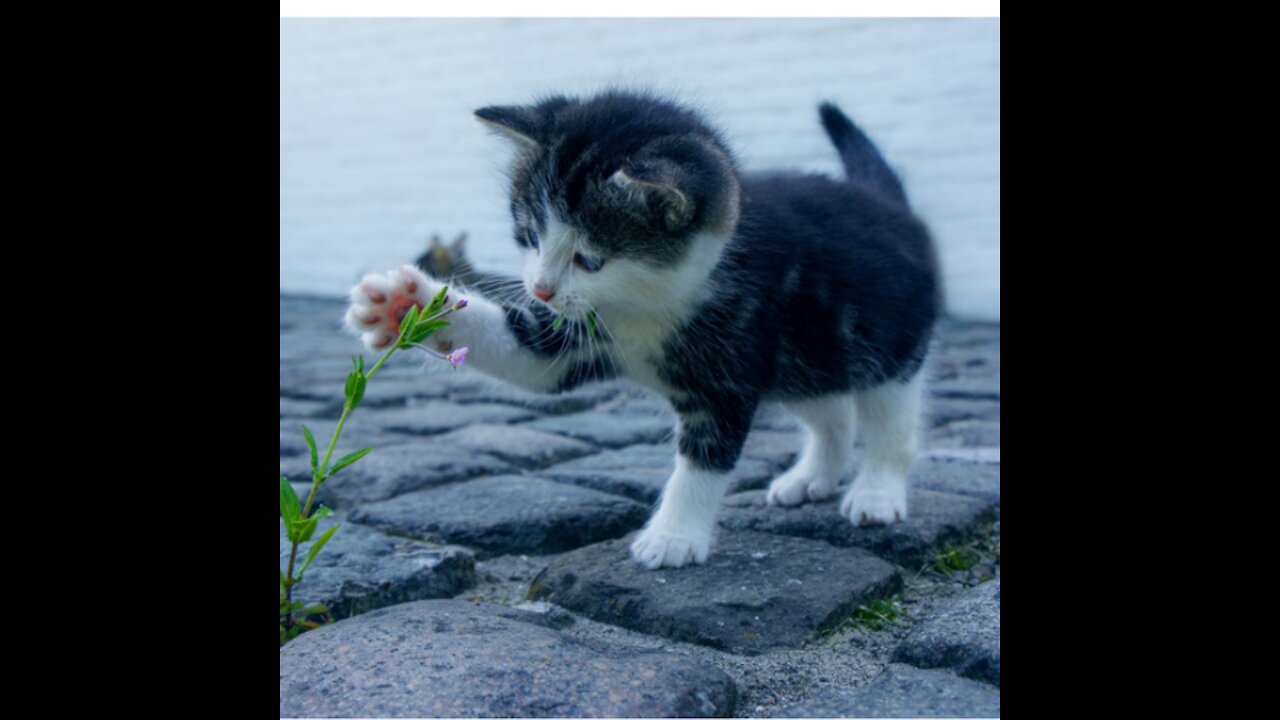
299, 522
591, 323
956, 559
874, 615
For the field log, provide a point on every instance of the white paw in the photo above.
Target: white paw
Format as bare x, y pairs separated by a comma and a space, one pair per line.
796, 486
655, 548
380, 302
878, 506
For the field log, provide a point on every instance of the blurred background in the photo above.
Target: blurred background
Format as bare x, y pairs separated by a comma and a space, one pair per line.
379, 149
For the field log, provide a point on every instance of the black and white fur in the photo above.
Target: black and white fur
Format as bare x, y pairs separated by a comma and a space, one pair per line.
716, 289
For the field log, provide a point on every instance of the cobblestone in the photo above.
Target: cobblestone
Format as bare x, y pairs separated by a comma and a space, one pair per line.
559, 620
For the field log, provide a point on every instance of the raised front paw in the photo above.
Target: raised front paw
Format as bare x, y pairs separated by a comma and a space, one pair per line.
875, 506
655, 548
380, 302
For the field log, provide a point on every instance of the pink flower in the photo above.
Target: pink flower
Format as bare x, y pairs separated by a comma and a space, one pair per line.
458, 357
461, 304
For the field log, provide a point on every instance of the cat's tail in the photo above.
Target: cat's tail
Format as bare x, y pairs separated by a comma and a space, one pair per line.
863, 163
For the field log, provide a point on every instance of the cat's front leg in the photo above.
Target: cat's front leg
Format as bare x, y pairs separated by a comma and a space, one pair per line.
514, 343
380, 302
682, 529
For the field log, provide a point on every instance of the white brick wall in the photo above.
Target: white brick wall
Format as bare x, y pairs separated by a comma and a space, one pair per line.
378, 147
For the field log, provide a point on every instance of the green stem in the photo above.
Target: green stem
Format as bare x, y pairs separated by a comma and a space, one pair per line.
288, 588
384, 359
333, 441
319, 476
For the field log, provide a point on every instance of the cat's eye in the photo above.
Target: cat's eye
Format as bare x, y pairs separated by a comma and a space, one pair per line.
588, 263
531, 237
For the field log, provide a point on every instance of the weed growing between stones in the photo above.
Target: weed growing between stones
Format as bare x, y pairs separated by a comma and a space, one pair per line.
956, 559
970, 564
875, 615
297, 617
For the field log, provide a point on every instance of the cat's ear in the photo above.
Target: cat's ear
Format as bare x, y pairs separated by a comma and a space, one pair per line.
435, 242
678, 182
655, 185
459, 243
520, 123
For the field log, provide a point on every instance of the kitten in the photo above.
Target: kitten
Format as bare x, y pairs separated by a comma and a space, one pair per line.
651, 256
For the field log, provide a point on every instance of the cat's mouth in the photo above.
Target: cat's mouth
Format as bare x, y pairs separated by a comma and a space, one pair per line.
568, 308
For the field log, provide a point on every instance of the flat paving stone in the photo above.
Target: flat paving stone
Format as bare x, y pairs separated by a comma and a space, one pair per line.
297, 468
356, 434
965, 433
964, 636
395, 470
953, 333
394, 385
640, 471
310, 312
293, 408
944, 411
935, 521
507, 514
448, 658
755, 592
943, 474
902, 691
519, 445
437, 417
978, 455
641, 403
977, 382
360, 569
772, 416
607, 429
490, 390
333, 343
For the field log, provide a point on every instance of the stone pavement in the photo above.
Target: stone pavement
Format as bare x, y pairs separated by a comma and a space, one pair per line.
482, 569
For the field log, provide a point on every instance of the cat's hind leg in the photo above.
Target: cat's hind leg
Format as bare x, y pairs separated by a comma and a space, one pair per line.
889, 415
830, 428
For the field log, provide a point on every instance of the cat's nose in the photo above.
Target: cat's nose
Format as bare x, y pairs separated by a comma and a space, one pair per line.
543, 293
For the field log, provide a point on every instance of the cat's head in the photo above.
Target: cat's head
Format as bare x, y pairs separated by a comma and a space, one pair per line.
619, 200
442, 261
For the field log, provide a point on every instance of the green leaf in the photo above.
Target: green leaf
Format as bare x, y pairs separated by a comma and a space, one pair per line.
315, 548
311, 443
304, 529
282, 581
591, 321
438, 301
346, 460
424, 329
321, 511
314, 608
354, 389
410, 319
290, 508
559, 321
